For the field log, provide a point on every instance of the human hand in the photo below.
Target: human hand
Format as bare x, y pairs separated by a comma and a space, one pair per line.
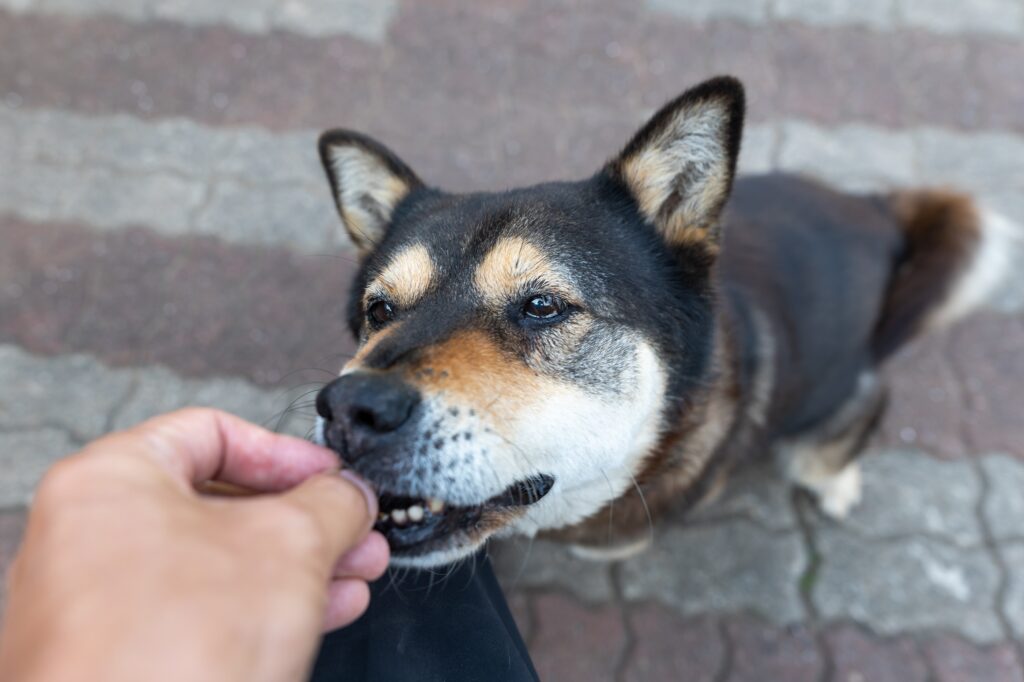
126, 573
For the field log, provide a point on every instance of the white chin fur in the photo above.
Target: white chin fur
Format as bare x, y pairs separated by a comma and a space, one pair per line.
592, 445
600, 446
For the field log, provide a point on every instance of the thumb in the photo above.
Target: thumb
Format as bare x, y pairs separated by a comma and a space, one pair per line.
343, 506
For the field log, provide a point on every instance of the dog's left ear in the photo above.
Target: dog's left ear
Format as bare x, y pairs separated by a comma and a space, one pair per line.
368, 182
679, 167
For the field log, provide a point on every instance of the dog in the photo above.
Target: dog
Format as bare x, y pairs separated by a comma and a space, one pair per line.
573, 358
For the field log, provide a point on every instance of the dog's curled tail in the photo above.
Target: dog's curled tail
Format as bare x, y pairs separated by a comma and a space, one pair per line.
955, 255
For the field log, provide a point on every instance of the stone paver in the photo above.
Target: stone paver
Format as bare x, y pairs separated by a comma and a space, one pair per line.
702, 10
159, 391
944, 16
987, 355
367, 19
968, 161
926, 406
954, 660
877, 14
722, 567
950, 16
1013, 607
37, 428
196, 305
667, 648
24, 458
907, 493
857, 157
12, 525
762, 652
576, 643
902, 586
861, 657
1004, 504
568, 75
72, 392
179, 177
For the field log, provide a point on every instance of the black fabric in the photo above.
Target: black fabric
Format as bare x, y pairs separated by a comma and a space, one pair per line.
428, 626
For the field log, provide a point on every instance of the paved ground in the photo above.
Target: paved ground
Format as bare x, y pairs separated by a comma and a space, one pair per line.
167, 239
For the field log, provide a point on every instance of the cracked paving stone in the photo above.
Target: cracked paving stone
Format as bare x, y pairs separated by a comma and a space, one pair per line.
1004, 503
911, 584
24, 458
722, 567
74, 392
909, 493
549, 565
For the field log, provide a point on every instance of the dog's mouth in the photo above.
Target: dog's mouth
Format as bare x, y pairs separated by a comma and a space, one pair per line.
410, 523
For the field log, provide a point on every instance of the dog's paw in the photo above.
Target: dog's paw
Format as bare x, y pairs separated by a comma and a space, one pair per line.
619, 552
840, 494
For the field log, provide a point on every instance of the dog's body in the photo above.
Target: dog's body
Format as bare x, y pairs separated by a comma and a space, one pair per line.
570, 358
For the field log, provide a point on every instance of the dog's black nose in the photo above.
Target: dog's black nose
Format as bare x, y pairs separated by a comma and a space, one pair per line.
367, 403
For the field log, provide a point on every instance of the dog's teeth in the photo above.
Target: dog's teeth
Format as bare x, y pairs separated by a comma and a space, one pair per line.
399, 516
415, 513
436, 506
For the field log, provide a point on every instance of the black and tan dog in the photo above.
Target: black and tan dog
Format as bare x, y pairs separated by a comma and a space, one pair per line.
551, 359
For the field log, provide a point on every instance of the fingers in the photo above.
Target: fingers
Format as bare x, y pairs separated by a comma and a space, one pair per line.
346, 601
342, 508
197, 444
368, 560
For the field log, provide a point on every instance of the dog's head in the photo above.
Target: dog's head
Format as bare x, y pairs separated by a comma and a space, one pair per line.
523, 353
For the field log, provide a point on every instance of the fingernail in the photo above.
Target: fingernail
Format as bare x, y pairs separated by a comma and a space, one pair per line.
371, 497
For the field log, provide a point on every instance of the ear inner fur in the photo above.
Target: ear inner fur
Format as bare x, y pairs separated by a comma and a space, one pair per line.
368, 182
680, 166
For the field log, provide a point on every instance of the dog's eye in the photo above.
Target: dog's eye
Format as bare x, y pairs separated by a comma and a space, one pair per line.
380, 313
543, 307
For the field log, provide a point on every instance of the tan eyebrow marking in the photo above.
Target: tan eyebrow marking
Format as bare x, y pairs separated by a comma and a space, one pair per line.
510, 263
406, 278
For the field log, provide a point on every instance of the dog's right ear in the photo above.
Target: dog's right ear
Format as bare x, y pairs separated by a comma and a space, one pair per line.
368, 182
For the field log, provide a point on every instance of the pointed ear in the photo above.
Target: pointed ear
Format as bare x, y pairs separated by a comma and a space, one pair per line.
368, 182
680, 166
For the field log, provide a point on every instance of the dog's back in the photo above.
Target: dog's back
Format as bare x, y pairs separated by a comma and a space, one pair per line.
824, 286
815, 264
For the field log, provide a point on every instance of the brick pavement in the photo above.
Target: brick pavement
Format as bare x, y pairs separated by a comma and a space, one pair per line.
167, 239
